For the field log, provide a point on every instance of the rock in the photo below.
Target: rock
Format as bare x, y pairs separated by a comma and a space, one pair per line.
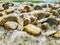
48, 9
32, 18
55, 13
1, 8
58, 10
57, 34
1, 14
35, 12
37, 7
41, 15
58, 19
26, 22
44, 6
47, 14
27, 8
11, 4
34, 23
42, 20
49, 32
52, 6
8, 11
52, 21
14, 18
11, 25
5, 5
32, 29
45, 26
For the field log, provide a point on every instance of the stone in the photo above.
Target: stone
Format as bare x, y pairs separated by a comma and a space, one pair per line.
57, 34
11, 25
32, 29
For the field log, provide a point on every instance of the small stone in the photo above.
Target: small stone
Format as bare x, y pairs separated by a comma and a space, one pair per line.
34, 23
58, 10
8, 11
52, 6
57, 34
49, 32
32, 18
1, 14
44, 6
45, 26
5, 6
11, 25
58, 19
55, 13
11, 4
52, 21
42, 20
1, 8
27, 8
26, 22
41, 15
37, 7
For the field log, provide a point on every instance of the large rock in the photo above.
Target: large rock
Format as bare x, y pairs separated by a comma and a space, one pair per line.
32, 29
